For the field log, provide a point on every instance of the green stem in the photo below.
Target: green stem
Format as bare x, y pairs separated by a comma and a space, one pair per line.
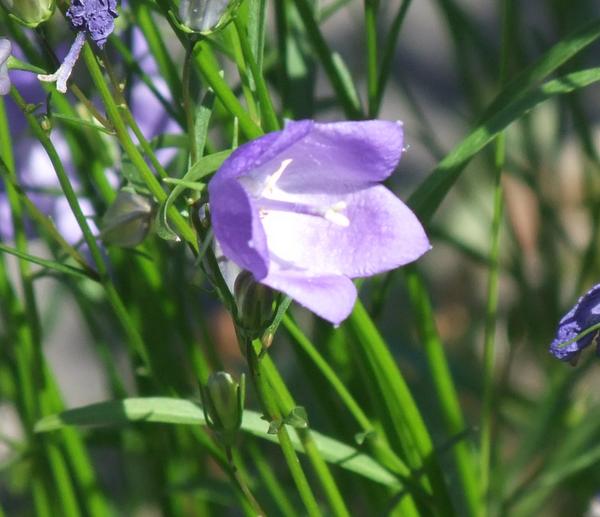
444, 388
401, 408
35, 361
268, 116
378, 447
269, 406
130, 148
489, 344
286, 404
270, 481
371, 7
350, 106
188, 104
131, 122
338, 386
63, 179
388, 55
237, 476
206, 63
247, 81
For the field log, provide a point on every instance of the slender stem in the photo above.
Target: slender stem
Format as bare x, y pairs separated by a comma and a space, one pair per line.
270, 480
151, 182
408, 424
350, 105
378, 447
129, 118
188, 104
269, 406
113, 297
247, 81
269, 118
206, 64
242, 483
286, 404
444, 388
371, 7
35, 361
489, 350
388, 55
338, 386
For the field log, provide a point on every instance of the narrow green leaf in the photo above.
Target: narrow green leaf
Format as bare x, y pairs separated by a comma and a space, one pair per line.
430, 194
179, 411
48, 264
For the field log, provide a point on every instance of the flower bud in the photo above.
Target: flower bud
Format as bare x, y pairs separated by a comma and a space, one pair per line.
254, 303
127, 221
29, 12
223, 402
206, 16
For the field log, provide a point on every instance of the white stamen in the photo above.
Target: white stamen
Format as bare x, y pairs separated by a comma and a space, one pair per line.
333, 215
274, 178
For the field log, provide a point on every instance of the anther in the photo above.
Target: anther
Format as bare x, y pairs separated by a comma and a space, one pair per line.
274, 178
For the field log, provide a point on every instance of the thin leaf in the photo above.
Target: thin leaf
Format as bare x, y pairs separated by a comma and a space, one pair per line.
184, 412
48, 264
430, 194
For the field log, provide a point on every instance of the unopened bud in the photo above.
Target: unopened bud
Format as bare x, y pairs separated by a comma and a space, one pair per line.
223, 402
206, 16
127, 221
29, 12
254, 304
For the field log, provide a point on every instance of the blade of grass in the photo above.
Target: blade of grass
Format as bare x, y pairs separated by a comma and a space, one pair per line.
343, 89
184, 412
429, 195
403, 412
445, 389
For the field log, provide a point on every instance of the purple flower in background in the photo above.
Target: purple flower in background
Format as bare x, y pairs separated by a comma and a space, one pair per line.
36, 173
5, 50
303, 210
582, 316
94, 18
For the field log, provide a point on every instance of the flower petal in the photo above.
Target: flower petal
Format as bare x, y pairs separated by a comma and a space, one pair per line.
583, 315
339, 157
254, 154
382, 234
330, 296
237, 226
5, 49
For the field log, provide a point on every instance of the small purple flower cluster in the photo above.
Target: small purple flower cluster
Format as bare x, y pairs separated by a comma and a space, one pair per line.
95, 17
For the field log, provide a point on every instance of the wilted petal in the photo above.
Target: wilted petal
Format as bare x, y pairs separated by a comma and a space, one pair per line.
583, 315
331, 297
237, 227
382, 234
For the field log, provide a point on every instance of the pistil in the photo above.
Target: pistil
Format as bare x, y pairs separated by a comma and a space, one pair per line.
61, 76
